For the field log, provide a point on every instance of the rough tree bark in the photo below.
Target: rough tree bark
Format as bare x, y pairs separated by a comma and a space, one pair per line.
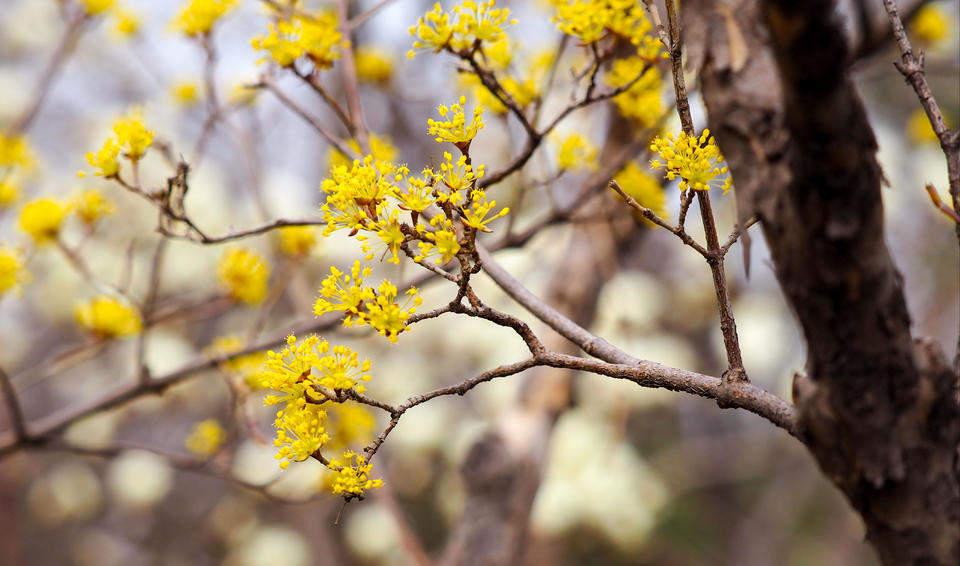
879, 410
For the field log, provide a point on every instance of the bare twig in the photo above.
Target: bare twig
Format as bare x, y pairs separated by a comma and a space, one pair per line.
14, 411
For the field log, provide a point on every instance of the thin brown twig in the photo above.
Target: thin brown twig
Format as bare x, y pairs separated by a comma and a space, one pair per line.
14, 411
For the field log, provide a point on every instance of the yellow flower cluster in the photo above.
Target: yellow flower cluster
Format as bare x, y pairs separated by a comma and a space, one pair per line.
185, 93
461, 28
374, 65
349, 424
13, 271
198, 17
930, 25
130, 136
642, 101
594, 20
455, 129
248, 367
108, 317
244, 275
643, 188
575, 152
90, 206
96, 7
206, 438
41, 219
363, 305
125, 22
352, 478
696, 161
14, 152
307, 374
298, 241
9, 192
316, 37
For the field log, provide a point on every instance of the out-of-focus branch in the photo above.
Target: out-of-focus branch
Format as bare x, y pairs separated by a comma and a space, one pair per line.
14, 411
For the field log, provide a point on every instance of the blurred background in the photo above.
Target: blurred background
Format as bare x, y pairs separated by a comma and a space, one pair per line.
611, 473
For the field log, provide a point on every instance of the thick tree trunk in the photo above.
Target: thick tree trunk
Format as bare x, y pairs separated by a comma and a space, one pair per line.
879, 411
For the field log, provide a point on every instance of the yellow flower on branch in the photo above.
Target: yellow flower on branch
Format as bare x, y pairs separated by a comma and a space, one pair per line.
594, 20
696, 161
244, 275
381, 148
104, 161
439, 239
576, 153
41, 219
643, 188
459, 29
298, 241
642, 102
356, 194
316, 37
198, 17
90, 206
352, 476
301, 431
374, 65
108, 317
455, 128
132, 136
206, 438
477, 216
344, 292
388, 317
13, 271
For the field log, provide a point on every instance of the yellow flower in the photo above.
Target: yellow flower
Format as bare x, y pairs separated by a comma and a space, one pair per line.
930, 25
197, 17
458, 30
104, 161
349, 424
300, 431
594, 20
642, 101
458, 176
357, 194
125, 22
108, 317
643, 188
91, 206
441, 240
13, 271
374, 65
381, 148
316, 37
242, 95
476, 216
14, 152
9, 192
244, 275
352, 479
186, 93
455, 129
206, 438
388, 317
41, 219
95, 7
132, 136
344, 292
298, 241
419, 194
390, 237
576, 152
248, 366
696, 161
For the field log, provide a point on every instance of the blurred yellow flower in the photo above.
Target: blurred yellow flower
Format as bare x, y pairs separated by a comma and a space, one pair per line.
316, 37
15, 152
185, 93
9, 192
643, 188
108, 317
132, 135
197, 17
206, 438
13, 271
91, 206
930, 25
298, 241
576, 152
374, 65
41, 219
244, 275
919, 128
95, 7
125, 22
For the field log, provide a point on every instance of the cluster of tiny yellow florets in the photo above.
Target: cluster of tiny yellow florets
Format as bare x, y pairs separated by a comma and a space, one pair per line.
314, 36
381, 148
642, 101
198, 17
352, 476
374, 65
13, 271
244, 275
43, 218
248, 367
298, 241
643, 188
364, 305
108, 317
206, 438
90, 206
576, 152
460, 29
130, 137
594, 20
308, 376
453, 127
697, 162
